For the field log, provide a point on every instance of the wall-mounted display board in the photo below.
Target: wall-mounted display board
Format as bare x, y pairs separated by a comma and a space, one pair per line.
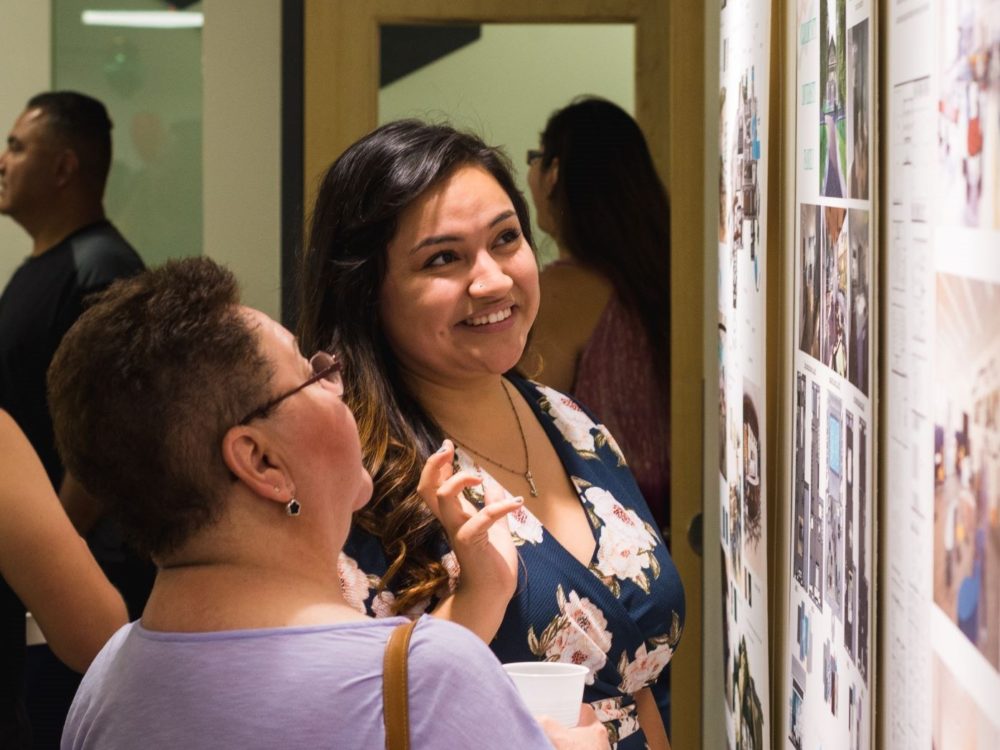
743, 195
829, 661
942, 381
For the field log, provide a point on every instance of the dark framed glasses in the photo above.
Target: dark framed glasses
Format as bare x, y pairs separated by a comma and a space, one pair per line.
325, 366
534, 153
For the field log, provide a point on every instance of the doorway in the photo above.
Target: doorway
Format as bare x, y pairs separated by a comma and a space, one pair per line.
341, 104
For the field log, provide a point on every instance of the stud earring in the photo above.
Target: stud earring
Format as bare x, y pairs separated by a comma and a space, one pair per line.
293, 507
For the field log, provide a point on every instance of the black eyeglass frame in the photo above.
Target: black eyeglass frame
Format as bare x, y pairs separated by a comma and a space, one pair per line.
323, 373
534, 153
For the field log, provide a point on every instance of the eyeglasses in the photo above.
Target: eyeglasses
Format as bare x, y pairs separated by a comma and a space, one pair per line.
534, 153
325, 366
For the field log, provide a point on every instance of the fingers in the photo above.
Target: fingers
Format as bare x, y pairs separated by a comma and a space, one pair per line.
436, 470
452, 509
478, 525
441, 489
591, 737
587, 715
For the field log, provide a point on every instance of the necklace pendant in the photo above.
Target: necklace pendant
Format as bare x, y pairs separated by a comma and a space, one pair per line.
531, 483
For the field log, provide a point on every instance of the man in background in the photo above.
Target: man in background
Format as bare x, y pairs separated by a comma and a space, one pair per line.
52, 178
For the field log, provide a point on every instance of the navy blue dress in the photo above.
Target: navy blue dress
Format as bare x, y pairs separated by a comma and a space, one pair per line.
621, 615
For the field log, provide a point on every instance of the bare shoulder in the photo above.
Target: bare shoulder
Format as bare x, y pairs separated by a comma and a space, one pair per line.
572, 301
574, 281
573, 298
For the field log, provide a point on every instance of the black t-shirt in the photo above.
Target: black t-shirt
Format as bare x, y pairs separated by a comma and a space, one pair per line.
43, 299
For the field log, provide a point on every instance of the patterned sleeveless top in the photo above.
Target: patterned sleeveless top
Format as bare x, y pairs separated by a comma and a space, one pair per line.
616, 379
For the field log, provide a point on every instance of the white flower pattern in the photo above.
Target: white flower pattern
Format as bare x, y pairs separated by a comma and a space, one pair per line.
626, 544
620, 720
608, 615
642, 671
574, 424
577, 635
524, 527
354, 582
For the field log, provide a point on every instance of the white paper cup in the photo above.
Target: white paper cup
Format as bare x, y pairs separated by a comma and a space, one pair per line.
550, 688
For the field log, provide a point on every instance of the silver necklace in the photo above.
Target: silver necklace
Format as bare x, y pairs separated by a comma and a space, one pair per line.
528, 477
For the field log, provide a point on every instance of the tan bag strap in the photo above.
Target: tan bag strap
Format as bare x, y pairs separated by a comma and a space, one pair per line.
394, 688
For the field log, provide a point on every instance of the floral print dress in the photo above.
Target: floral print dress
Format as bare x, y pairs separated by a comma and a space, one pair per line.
621, 615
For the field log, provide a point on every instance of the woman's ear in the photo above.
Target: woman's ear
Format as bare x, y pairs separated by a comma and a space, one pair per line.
246, 454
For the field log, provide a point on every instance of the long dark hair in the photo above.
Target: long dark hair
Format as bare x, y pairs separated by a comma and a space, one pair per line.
612, 210
341, 271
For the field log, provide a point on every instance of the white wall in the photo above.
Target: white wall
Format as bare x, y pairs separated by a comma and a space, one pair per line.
25, 62
242, 144
505, 85
241, 57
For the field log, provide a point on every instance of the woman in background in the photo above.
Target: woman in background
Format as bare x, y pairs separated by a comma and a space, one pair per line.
603, 326
421, 273
47, 568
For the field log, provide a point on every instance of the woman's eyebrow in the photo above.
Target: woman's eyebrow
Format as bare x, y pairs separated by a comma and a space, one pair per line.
436, 239
439, 239
502, 216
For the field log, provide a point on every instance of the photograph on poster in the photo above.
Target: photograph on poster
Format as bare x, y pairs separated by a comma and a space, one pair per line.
723, 182
856, 570
810, 279
967, 460
834, 583
754, 508
746, 706
857, 366
832, 88
752, 449
816, 505
808, 512
830, 559
834, 258
969, 113
857, 66
722, 401
727, 649
746, 153
958, 721
800, 501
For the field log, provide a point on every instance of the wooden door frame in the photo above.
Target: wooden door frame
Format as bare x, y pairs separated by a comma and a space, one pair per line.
340, 87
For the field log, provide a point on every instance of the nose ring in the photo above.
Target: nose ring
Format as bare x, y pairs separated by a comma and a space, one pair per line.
480, 285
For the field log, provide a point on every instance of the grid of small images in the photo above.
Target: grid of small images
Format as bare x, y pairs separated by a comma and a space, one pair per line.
742, 232
828, 700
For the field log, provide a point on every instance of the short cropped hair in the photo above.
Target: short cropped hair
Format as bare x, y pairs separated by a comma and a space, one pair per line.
142, 391
83, 123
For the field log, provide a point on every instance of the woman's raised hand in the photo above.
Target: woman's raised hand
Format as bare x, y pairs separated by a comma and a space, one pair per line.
484, 548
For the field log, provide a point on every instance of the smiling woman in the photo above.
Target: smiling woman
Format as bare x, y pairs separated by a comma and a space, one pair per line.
459, 268
420, 272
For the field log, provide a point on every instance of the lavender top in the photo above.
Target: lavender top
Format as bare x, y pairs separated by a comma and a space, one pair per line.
303, 687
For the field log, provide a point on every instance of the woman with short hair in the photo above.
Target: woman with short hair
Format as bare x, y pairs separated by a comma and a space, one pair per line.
232, 460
